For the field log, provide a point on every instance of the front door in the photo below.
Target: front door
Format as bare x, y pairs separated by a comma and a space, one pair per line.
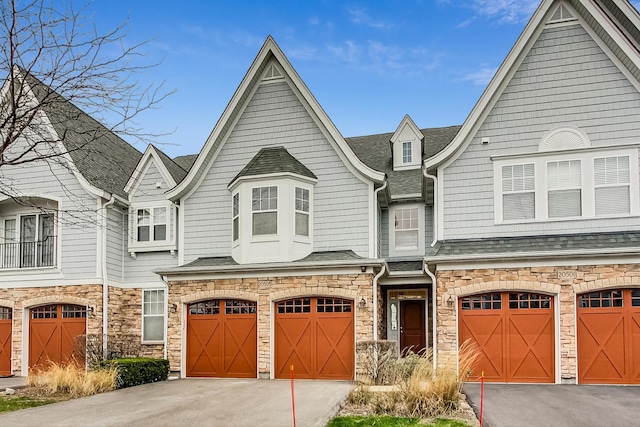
412, 328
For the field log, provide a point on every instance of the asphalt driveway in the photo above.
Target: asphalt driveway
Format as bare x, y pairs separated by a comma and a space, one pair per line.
516, 405
195, 402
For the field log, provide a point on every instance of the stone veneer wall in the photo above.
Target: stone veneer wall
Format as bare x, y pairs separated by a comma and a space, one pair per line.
20, 299
125, 320
457, 283
266, 290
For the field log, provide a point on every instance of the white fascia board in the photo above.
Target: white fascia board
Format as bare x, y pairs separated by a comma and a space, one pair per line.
268, 48
531, 263
269, 176
271, 267
538, 255
143, 166
494, 88
406, 121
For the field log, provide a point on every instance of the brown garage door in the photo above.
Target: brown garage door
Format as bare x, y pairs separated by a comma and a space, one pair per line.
609, 337
515, 335
5, 341
53, 331
316, 337
222, 339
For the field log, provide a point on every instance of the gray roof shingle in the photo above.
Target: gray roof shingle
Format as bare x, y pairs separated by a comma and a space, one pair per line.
274, 160
405, 266
177, 172
102, 158
522, 246
185, 162
375, 152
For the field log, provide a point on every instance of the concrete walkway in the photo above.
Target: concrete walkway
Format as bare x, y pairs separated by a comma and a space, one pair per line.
196, 402
12, 382
516, 405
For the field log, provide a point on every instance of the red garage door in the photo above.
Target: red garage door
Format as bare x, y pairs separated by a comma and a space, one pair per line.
316, 337
53, 331
609, 337
5, 341
515, 335
222, 339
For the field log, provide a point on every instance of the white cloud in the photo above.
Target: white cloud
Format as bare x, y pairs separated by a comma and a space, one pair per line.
502, 11
305, 52
359, 16
382, 58
481, 77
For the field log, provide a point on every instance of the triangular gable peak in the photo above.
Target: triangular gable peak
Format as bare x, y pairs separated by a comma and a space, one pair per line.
406, 145
605, 31
269, 64
151, 157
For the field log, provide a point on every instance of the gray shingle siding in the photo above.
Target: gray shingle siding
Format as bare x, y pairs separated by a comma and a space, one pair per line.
566, 79
116, 243
275, 117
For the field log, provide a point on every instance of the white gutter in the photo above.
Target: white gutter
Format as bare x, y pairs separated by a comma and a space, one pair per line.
105, 285
435, 204
375, 300
434, 321
375, 214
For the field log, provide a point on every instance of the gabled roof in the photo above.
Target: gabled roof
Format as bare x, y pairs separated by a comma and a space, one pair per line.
100, 156
273, 160
170, 171
374, 151
621, 43
269, 51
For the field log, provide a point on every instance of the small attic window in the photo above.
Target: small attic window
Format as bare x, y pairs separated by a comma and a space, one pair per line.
562, 14
272, 73
407, 152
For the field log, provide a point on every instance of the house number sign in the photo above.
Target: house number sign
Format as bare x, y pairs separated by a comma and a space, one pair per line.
567, 274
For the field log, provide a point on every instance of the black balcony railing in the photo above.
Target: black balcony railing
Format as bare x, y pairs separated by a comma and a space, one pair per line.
28, 254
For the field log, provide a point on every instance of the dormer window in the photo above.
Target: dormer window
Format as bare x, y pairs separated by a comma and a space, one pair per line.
406, 152
152, 224
264, 204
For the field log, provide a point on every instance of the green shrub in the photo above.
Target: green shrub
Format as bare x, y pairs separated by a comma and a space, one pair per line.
136, 371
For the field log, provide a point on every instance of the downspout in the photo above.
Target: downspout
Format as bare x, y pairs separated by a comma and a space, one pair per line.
166, 318
375, 300
382, 271
435, 204
375, 214
105, 284
434, 323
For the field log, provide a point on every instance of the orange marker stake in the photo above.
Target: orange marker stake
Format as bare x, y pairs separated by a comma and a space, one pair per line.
481, 397
293, 400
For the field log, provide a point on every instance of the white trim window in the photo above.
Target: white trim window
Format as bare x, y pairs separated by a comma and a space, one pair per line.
301, 212
153, 313
235, 217
612, 185
564, 189
518, 191
264, 205
151, 224
584, 184
406, 230
407, 152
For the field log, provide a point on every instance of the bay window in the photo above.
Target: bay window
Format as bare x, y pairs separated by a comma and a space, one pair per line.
264, 204
302, 212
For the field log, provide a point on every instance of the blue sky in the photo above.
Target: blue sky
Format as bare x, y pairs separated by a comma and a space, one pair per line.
367, 63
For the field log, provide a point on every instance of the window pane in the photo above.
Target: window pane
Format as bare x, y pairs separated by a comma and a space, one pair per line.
153, 328
160, 215
265, 223
612, 200
236, 204
144, 216
407, 239
160, 232
236, 229
143, 234
565, 203
302, 224
518, 206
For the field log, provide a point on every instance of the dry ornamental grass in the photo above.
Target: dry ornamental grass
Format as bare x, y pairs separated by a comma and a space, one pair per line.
72, 381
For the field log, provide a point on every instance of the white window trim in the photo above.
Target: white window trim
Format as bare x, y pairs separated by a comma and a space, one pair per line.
410, 145
258, 237
586, 158
164, 316
152, 245
300, 237
393, 252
